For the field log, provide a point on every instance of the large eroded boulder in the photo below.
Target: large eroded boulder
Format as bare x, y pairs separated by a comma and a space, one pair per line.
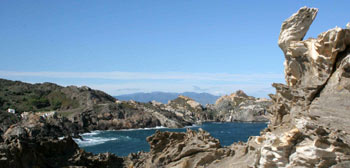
174, 149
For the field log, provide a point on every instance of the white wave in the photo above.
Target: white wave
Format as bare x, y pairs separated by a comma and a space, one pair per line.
157, 127
92, 133
93, 141
135, 129
193, 126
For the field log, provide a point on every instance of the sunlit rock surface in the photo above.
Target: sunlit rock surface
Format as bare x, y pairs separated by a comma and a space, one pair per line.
310, 124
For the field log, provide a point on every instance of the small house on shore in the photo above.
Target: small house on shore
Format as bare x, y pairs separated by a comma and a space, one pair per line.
13, 111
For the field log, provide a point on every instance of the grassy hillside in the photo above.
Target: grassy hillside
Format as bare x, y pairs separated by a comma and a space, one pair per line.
46, 97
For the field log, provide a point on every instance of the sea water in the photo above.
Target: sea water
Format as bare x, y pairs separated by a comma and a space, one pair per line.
123, 142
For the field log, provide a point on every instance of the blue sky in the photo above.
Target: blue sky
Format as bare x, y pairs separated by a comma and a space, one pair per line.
160, 45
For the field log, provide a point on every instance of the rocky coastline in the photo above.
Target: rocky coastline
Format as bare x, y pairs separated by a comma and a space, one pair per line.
308, 116
81, 109
65, 112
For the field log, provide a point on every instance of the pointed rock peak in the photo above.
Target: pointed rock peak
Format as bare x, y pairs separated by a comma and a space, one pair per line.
296, 27
240, 93
184, 97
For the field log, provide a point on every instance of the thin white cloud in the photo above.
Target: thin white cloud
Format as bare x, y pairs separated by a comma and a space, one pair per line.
258, 90
117, 83
147, 76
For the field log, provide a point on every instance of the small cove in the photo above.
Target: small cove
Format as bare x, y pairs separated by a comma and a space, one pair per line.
123, 142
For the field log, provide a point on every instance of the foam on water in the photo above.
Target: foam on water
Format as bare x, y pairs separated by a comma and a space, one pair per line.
124, 142
193, 126
92, 133
93, 141
136, 129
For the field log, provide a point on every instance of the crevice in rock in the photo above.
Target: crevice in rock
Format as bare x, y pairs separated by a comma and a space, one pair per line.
340, 56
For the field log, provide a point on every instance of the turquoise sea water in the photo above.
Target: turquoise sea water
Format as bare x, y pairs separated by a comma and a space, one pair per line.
123, 142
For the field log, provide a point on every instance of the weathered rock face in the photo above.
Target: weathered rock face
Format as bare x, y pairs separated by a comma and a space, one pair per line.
235, 107
174, 149
87, 109
310, 123
127, 115
6, 120
309, 127
48, 152
183, 107
33, 142
108, 115
295, 28
33, 125
240, 107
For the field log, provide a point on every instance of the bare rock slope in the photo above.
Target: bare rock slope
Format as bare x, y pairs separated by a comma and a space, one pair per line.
175, 149
310, 124
241, 107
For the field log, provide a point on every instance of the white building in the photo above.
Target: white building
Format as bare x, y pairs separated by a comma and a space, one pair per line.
52, 114
13, 111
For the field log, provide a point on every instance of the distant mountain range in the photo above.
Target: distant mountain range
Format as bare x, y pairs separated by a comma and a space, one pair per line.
164, 97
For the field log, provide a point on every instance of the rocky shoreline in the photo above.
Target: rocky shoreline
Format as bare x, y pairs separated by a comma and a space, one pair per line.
63, 113
309, 126
81, 109
308, 116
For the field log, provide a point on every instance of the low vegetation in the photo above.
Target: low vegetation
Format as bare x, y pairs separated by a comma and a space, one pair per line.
39, 97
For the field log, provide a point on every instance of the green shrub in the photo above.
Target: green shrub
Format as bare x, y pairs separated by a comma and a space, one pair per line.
40, 103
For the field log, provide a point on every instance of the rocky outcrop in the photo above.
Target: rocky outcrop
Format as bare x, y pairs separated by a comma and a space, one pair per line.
295, 28
33, 125
50, 152
34, 142
86, 108
309, 125
240, 107
186, 108
6, 120
310, 114
175, 149
114, 115
235, 107
127, 115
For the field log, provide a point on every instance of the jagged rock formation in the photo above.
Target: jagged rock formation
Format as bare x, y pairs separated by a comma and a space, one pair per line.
311, 113
88, 109
174, 149
235, 107
33, 125
310, 123
50, 152
126, 115
6, 120
33, 142
240, 107
186, 108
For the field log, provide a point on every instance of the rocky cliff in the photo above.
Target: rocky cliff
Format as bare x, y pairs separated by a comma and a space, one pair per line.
50, 152
174, 149
235, 107
86, 108
33, 142
310, 122
240, 107
186, 108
